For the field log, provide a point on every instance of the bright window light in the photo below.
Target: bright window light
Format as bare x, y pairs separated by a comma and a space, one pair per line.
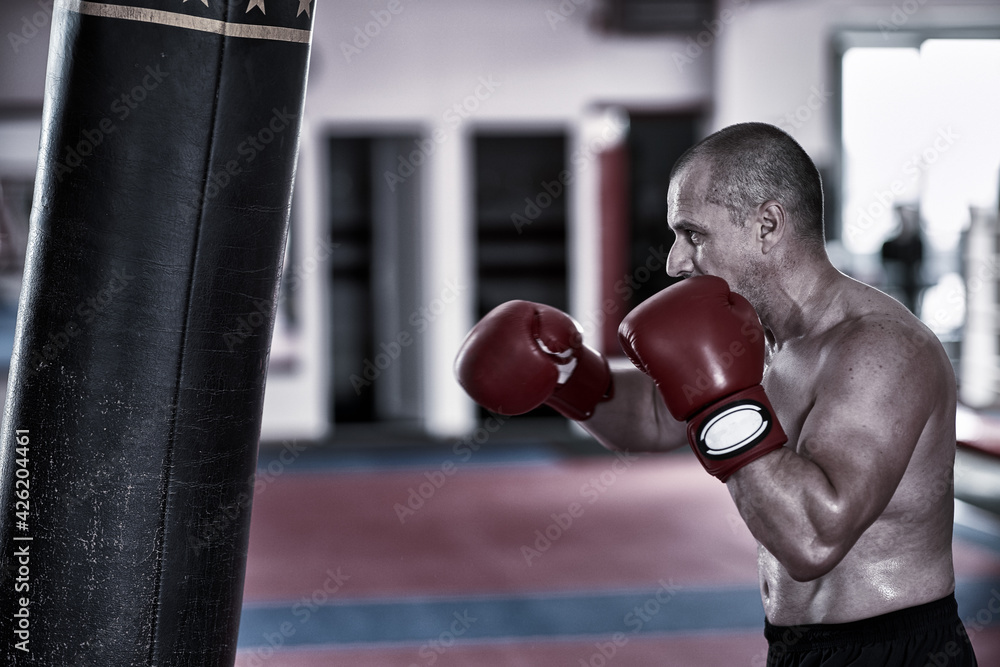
919, 126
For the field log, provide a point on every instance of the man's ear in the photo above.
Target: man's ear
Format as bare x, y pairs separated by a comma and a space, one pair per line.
772, 224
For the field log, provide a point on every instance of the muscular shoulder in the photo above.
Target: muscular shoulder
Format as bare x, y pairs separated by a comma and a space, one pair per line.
882, 379
884, 345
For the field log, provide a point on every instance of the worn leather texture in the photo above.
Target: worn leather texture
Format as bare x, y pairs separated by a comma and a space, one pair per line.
157, 235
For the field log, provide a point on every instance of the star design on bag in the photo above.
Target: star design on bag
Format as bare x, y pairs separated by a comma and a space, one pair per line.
256, 3
304, 7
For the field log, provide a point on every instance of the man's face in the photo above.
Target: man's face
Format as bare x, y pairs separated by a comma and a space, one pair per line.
707, 242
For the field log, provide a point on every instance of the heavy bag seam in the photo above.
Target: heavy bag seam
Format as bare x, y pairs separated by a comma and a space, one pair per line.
154, 644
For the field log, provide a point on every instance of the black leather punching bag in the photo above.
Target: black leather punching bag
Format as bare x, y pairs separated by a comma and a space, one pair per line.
168, 149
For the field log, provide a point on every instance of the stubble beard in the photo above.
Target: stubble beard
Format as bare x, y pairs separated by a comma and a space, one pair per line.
750, 283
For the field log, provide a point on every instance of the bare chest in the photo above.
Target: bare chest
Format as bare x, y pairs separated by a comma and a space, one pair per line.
791, 380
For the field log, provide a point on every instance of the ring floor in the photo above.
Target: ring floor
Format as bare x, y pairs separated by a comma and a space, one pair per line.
520, 553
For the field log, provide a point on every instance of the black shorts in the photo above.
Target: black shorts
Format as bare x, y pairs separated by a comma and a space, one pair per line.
930, 635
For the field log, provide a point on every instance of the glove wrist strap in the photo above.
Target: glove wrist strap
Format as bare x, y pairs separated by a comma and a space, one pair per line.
731, 433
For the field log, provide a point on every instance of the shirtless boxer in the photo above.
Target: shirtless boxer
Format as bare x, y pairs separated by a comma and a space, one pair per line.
843, 472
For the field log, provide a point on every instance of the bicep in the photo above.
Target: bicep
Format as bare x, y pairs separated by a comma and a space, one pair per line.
869, 412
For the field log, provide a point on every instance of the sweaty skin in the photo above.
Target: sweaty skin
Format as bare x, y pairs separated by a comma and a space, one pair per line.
853, 517
868, 404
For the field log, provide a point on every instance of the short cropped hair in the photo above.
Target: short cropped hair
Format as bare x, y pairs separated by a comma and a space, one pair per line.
752, 163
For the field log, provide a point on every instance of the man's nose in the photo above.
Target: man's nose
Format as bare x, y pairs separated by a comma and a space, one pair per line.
679, 262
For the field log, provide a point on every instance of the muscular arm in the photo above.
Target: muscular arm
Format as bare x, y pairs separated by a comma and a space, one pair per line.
635, 419
809, 502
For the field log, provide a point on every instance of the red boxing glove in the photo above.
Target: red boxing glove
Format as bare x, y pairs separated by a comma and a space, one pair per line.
704, 347
523, 354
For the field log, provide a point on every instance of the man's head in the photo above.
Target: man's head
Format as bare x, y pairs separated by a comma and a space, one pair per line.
738, 200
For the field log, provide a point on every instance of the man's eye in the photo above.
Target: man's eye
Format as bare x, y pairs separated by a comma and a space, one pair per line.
694, 237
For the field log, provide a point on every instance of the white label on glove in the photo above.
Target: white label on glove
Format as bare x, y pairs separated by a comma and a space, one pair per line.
736, 427
565, 361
